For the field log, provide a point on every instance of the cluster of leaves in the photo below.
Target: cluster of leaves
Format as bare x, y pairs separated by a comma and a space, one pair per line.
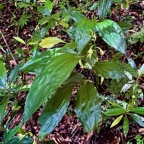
55, 80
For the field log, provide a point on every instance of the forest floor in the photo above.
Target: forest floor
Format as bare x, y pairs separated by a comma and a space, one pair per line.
69, 130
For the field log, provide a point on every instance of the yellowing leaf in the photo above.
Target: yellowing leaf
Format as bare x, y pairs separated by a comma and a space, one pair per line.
50, 42
116, 121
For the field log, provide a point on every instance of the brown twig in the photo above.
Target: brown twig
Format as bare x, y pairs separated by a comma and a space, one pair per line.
8, 47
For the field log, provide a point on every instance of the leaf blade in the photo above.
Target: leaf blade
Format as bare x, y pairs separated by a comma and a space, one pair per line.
54, 110
50, 42
88, 106
112, 34
52, 76
116, 121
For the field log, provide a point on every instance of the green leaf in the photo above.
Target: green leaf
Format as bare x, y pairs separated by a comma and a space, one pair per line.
3, 74
114, 104
3, 103
54, 110
115, 112
103, 8
82, 32
25, 140
138, 119
88, 106
49, 5
55, 72
75, 15
108, 69
138, 110
125, 125
116, 121
11, 133
50, 42
112, 34
14, 73
19, 40
39, 61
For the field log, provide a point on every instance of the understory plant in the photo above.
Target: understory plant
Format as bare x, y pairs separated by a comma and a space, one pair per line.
57, 70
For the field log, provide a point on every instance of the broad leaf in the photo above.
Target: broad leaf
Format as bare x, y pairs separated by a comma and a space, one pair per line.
103, 8
125, 125
55, 72
88, 106
54, 110
3, 104
108, 69
116, 121
138, 110
115, 112
82, 32
19, 40
3, 74
49, 5
112, 34
50, 42
138, 119
39, 61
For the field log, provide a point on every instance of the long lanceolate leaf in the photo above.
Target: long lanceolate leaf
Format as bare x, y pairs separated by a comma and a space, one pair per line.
112, 34
55, 109
55, 72
103, 8
3, 75
88, 106
3, 104
39, 61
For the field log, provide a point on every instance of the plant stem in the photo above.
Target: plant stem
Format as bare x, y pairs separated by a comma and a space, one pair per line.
8, 48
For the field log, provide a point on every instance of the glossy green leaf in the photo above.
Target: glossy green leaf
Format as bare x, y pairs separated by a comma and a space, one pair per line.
116, 121
19, 40
50, 42
39, 61
112, 34
3, 74
138, 110
55, 109
115, 112
75, 77
108, 69
75, 15
25, 140
3, 103
103, 8
82, 32
13, 74
88, 106
138, 119
125, 125
55, 72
